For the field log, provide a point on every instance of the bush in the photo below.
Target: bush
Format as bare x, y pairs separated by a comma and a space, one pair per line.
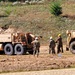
8, 10
55, 8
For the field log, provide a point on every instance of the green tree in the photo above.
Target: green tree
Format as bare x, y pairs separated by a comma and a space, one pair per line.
55, 8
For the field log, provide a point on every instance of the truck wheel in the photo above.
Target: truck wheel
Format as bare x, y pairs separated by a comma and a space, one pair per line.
72, 47
19, 50
8, 49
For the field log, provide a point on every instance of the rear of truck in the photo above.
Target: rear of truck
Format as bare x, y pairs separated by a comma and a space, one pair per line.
15, 43
71, 41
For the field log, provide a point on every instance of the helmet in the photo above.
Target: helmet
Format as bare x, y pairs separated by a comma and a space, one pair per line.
59, 35
36, 38
51, 37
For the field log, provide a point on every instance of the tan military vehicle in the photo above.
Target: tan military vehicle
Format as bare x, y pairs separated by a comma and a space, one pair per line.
16, 43
70, 40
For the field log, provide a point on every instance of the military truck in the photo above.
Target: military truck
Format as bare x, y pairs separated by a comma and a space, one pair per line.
70, 41
16, 43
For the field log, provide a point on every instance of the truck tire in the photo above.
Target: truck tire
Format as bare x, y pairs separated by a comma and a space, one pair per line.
8, 49
72, 47
19, 50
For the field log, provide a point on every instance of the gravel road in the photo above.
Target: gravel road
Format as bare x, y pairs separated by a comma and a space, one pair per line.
45, 72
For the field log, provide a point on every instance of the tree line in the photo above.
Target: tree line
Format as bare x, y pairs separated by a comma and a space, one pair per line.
12, 0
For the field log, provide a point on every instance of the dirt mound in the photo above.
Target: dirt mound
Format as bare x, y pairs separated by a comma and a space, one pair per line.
29, 63
9, 30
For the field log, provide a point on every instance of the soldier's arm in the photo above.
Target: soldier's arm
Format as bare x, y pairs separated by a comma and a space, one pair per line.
56, 40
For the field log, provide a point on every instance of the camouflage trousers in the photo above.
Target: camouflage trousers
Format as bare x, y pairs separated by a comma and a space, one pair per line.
59, 49
36, 51
52, 50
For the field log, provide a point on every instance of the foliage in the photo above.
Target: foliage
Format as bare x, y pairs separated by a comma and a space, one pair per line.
8, 10
55, 8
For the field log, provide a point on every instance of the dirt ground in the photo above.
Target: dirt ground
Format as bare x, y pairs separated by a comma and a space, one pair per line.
28, 62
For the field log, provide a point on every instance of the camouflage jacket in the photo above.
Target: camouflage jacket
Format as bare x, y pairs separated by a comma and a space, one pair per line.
52, 43
59, 41
36, 43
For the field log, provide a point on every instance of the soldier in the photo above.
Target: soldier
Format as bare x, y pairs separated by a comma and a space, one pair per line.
36, 46
59, 44
52, 46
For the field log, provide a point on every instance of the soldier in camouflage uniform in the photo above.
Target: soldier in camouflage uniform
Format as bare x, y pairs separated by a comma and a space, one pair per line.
51, 46
59, 44
36, 46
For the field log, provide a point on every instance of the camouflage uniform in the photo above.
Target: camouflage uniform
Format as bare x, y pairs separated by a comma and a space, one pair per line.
52, 46
59, 45
36, 46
